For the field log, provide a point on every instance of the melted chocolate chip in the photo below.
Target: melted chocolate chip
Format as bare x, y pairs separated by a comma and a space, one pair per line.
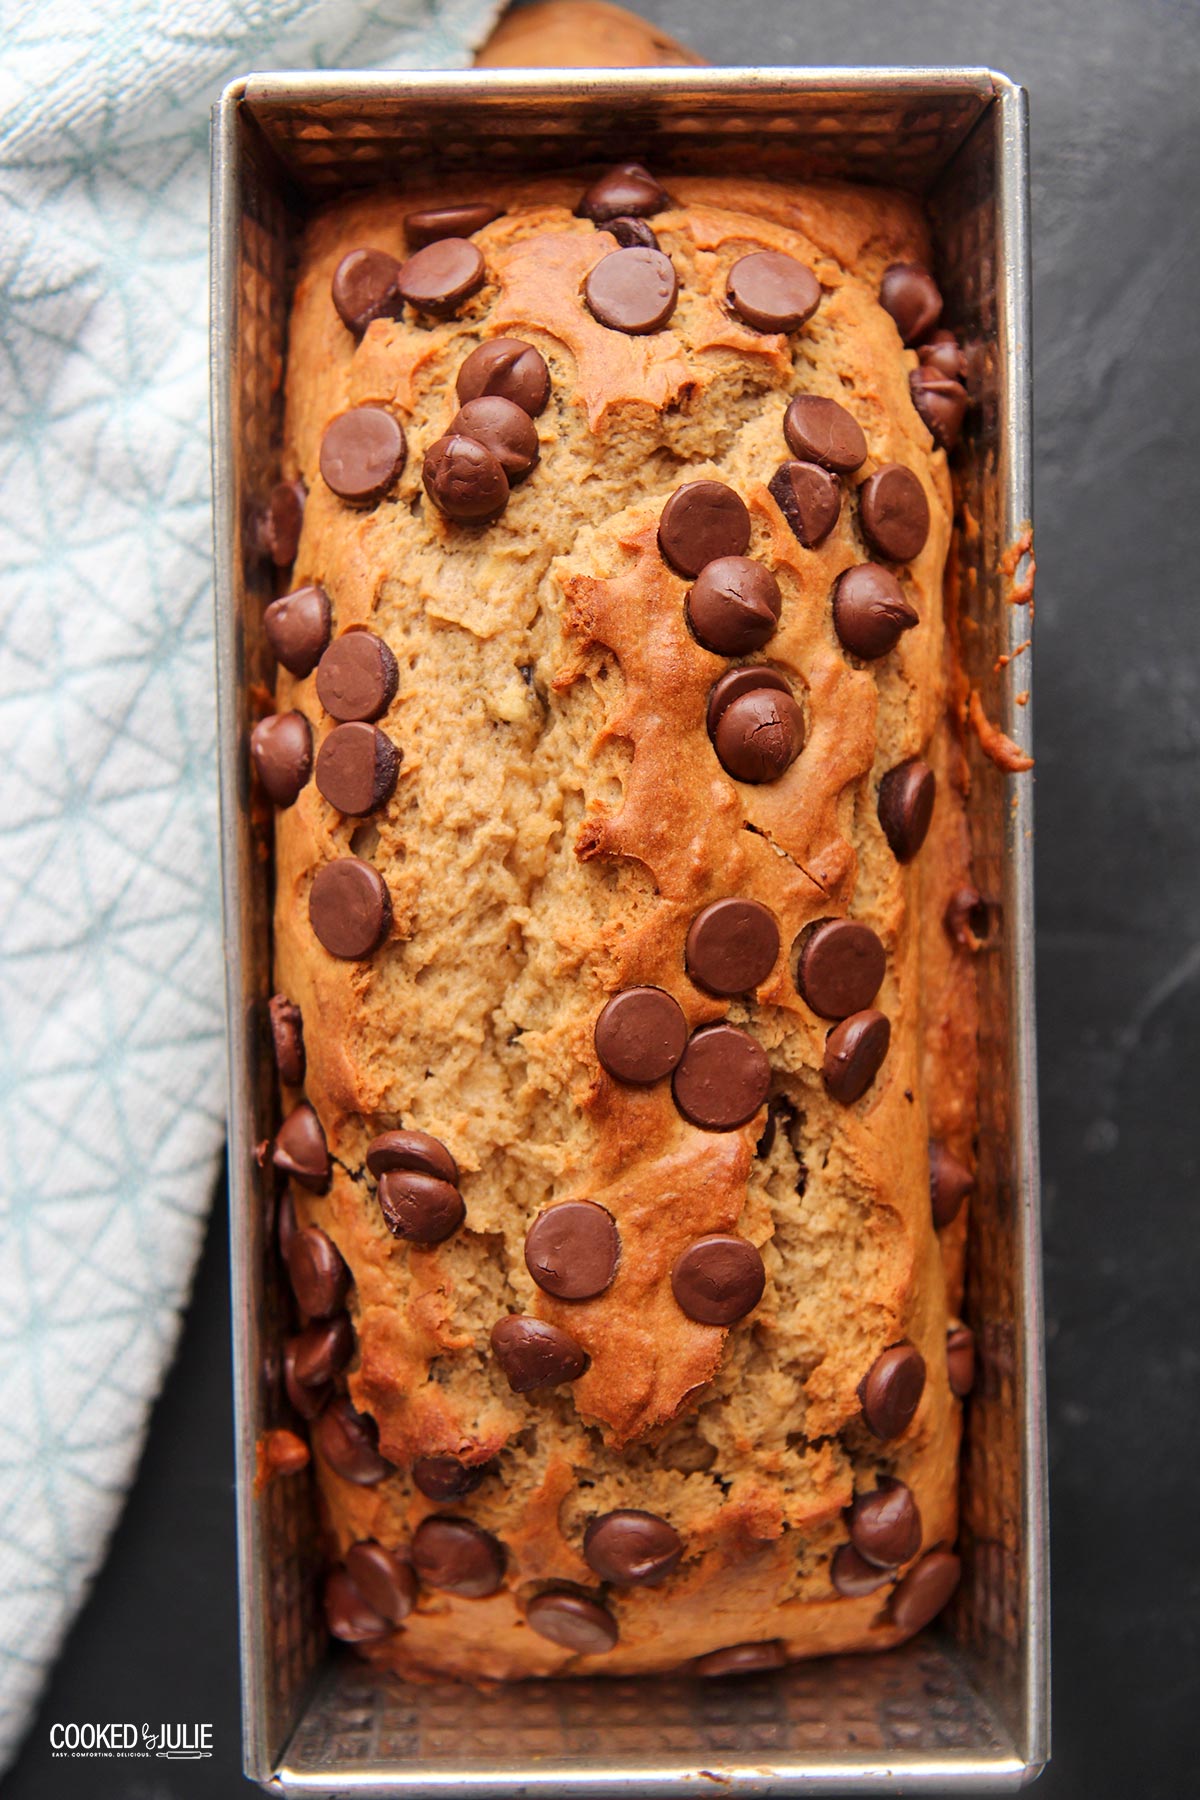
509, 368
572, 1250
357, 768
925, 1590
870, 612
280, 522
810, 499
885, 1527
759, 733
419, 1208
348, 1613
891, 1390
722, 1079
853, 1577
440, 277
502, 427
841, 968
411, 1149
949, 1184
854, 1053
308, 1398
297, 627
640, 1035
734, 606
534, 1354
458, 1557
970, 920
287, 1038
357, 677
943, 352
349, 908
464, 480
772, 292
701, 521
457, 221
732, 946
632, 1549
349, 1442
364, 288
318, 1275
631, 234
742, 1659
906, 796
322, 1351
909, 292
572, 1620
633, 291
718, 1280
941, 402
820, 431
627, 190
446, 1477
960, 1359
281, 748
363, 453
894, 513
736, 682
300, 1149
385, 1580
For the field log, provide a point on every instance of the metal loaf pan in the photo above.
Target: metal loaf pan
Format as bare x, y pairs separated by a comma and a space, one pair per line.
964, 1707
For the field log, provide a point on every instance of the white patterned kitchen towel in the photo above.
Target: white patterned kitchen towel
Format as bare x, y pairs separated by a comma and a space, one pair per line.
111, 1046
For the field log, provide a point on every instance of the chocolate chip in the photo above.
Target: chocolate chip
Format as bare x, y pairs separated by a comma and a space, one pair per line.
364, 288
509, 368
357, 677
631, 234
349, 1442
925, 1590
281, 746
411, 1149
852, 1576
357, 768
759, 734
632, 1549
285, 1224
300, 1149
419, 1208
821, 431
960, 1359
718, 1280
941, 402
810, 499
287, 1038
885, 1527
909, 292
625, 190
970, 920
854, 1053
633, 291
308, 1398
363, 453
318, 1275
640, 1035
457, 221
572, 1620
534, 1354
732, 946
734, 606
701, 521
349, 908
348, 1613
502, 427
464, 480
943, 352
385, 1580
891, 1390
906, 796
572, 1250
446, 1477
870, 612
722, 1079
458, 1557
736, 682
280, 522
742, 1659
894, 513
297, 627
949, 1184
440, 277
841, 968
772, 292
322, 1351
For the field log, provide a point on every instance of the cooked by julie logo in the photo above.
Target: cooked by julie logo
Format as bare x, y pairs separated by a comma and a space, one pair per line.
120, 1737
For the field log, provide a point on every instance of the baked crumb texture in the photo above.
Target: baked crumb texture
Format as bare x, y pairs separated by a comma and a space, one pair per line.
559, 817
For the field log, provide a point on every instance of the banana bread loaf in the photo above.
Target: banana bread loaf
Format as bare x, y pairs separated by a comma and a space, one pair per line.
628, 1064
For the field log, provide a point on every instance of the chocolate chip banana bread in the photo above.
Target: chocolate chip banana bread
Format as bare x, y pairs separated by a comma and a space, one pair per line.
628, 1065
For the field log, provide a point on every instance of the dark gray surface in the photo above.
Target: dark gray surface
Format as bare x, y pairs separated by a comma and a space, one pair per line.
1117, 275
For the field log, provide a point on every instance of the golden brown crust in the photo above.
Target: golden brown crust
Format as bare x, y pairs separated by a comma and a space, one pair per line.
560, 817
